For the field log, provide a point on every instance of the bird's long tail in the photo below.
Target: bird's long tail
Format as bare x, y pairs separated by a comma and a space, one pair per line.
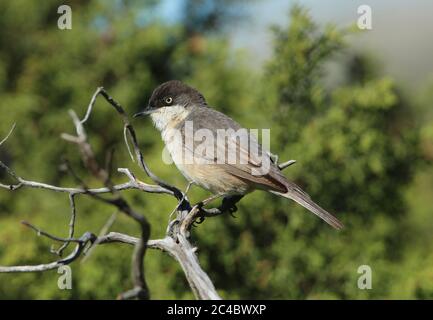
298, 195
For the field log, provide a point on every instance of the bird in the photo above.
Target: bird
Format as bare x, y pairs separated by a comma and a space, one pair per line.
236, 164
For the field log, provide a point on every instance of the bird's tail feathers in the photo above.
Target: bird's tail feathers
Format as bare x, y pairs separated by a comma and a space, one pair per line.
299, 196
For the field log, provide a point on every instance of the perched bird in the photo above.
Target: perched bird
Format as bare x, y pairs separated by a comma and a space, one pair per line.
235, 164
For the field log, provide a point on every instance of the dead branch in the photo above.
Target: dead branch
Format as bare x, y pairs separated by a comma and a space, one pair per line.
177, 242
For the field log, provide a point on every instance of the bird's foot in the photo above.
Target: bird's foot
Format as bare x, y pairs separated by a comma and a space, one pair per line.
229, 204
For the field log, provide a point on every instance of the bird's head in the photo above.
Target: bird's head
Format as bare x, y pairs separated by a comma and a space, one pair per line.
172, 94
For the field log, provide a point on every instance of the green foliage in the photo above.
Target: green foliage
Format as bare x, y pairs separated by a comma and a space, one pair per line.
356, 146
355, 155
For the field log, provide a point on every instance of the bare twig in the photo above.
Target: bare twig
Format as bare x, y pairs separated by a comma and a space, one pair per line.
286, 164
83, 241
8, 135
60, 250
41, 232
91, 104
181, 200
131, 185
102, 232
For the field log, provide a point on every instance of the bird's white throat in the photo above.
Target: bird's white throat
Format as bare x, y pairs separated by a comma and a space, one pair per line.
168, 117
165, 120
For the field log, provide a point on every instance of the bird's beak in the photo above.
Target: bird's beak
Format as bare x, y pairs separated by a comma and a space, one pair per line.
145, 112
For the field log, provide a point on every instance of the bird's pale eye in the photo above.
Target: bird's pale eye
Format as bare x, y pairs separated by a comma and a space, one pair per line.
168, 100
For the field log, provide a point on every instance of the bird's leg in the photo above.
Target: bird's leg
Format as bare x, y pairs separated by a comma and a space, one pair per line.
202, 210
229, 204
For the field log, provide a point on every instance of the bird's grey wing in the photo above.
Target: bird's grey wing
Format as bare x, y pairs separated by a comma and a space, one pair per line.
237, 147
273, 180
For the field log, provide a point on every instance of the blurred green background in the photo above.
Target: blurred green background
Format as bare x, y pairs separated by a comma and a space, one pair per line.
361, 131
